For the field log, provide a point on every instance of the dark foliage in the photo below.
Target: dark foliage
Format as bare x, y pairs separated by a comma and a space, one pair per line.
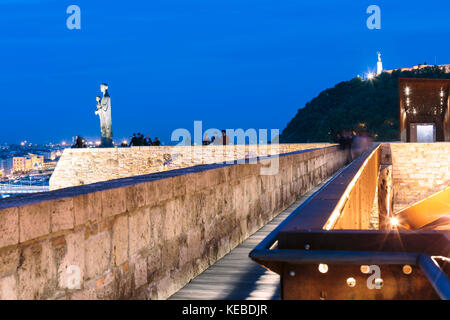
364, 105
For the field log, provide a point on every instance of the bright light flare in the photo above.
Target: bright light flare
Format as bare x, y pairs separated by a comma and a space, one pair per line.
394, 221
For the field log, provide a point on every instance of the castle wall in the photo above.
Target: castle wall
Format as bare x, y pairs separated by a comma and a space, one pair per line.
144, 237
84, 166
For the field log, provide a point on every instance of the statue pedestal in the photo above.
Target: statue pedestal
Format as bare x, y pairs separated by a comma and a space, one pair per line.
106, 143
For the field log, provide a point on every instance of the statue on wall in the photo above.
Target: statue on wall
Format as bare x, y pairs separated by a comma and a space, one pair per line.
104, 112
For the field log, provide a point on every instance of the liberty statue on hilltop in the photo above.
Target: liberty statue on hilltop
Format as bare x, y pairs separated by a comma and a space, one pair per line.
104, 112
379, 64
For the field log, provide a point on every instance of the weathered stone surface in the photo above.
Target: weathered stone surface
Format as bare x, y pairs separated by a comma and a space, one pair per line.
97, 254
9, 227
140, 271
9, 259
8, 288
172, 225
120, 240
87, 207
150, 239
418, 169
62, 215
139, 233
37, 272
106, 286
34, 220
84, 166
113, 202
71, 264
136, 196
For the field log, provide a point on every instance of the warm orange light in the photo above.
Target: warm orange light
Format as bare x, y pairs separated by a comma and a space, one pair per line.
394, 222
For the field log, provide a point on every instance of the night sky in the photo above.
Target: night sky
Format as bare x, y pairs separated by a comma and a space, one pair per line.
230, 63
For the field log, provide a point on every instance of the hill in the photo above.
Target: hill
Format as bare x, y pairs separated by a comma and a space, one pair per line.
365, 105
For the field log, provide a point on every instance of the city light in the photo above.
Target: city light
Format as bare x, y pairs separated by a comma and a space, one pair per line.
97, 143
370, 76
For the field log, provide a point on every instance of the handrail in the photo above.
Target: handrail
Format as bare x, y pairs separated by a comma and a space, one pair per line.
270, 240
336, 256
435, 275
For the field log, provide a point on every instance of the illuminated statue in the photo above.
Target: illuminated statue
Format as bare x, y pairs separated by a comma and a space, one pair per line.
379, 64
104, 112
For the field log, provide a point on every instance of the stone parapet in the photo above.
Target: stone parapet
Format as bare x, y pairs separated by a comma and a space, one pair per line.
84, 166
144, 237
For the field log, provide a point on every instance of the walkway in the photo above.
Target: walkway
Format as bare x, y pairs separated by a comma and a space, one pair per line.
236, 276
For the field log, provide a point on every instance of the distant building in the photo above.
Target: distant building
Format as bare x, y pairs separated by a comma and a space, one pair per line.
424, 114
49, 164
28, 163
6, 166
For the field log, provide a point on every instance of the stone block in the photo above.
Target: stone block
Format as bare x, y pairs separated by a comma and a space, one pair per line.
172, 220
120, 239
72, 264
166, 189
34, 220
139, 230
156, 226
154, 263
87, 207
8, 288
62, 214
195, 244
170, 255
37, 272
140, 271
153, 192
9, 227
106, 286
97, 254
113, 202
136, 196
9, 259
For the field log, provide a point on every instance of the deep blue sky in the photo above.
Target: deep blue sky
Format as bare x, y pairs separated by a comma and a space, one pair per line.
230, 63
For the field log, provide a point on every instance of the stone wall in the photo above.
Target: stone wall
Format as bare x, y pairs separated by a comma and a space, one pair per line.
84, 166
419, 170
144, 237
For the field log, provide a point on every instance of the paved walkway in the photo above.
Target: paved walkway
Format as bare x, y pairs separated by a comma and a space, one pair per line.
236, 276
